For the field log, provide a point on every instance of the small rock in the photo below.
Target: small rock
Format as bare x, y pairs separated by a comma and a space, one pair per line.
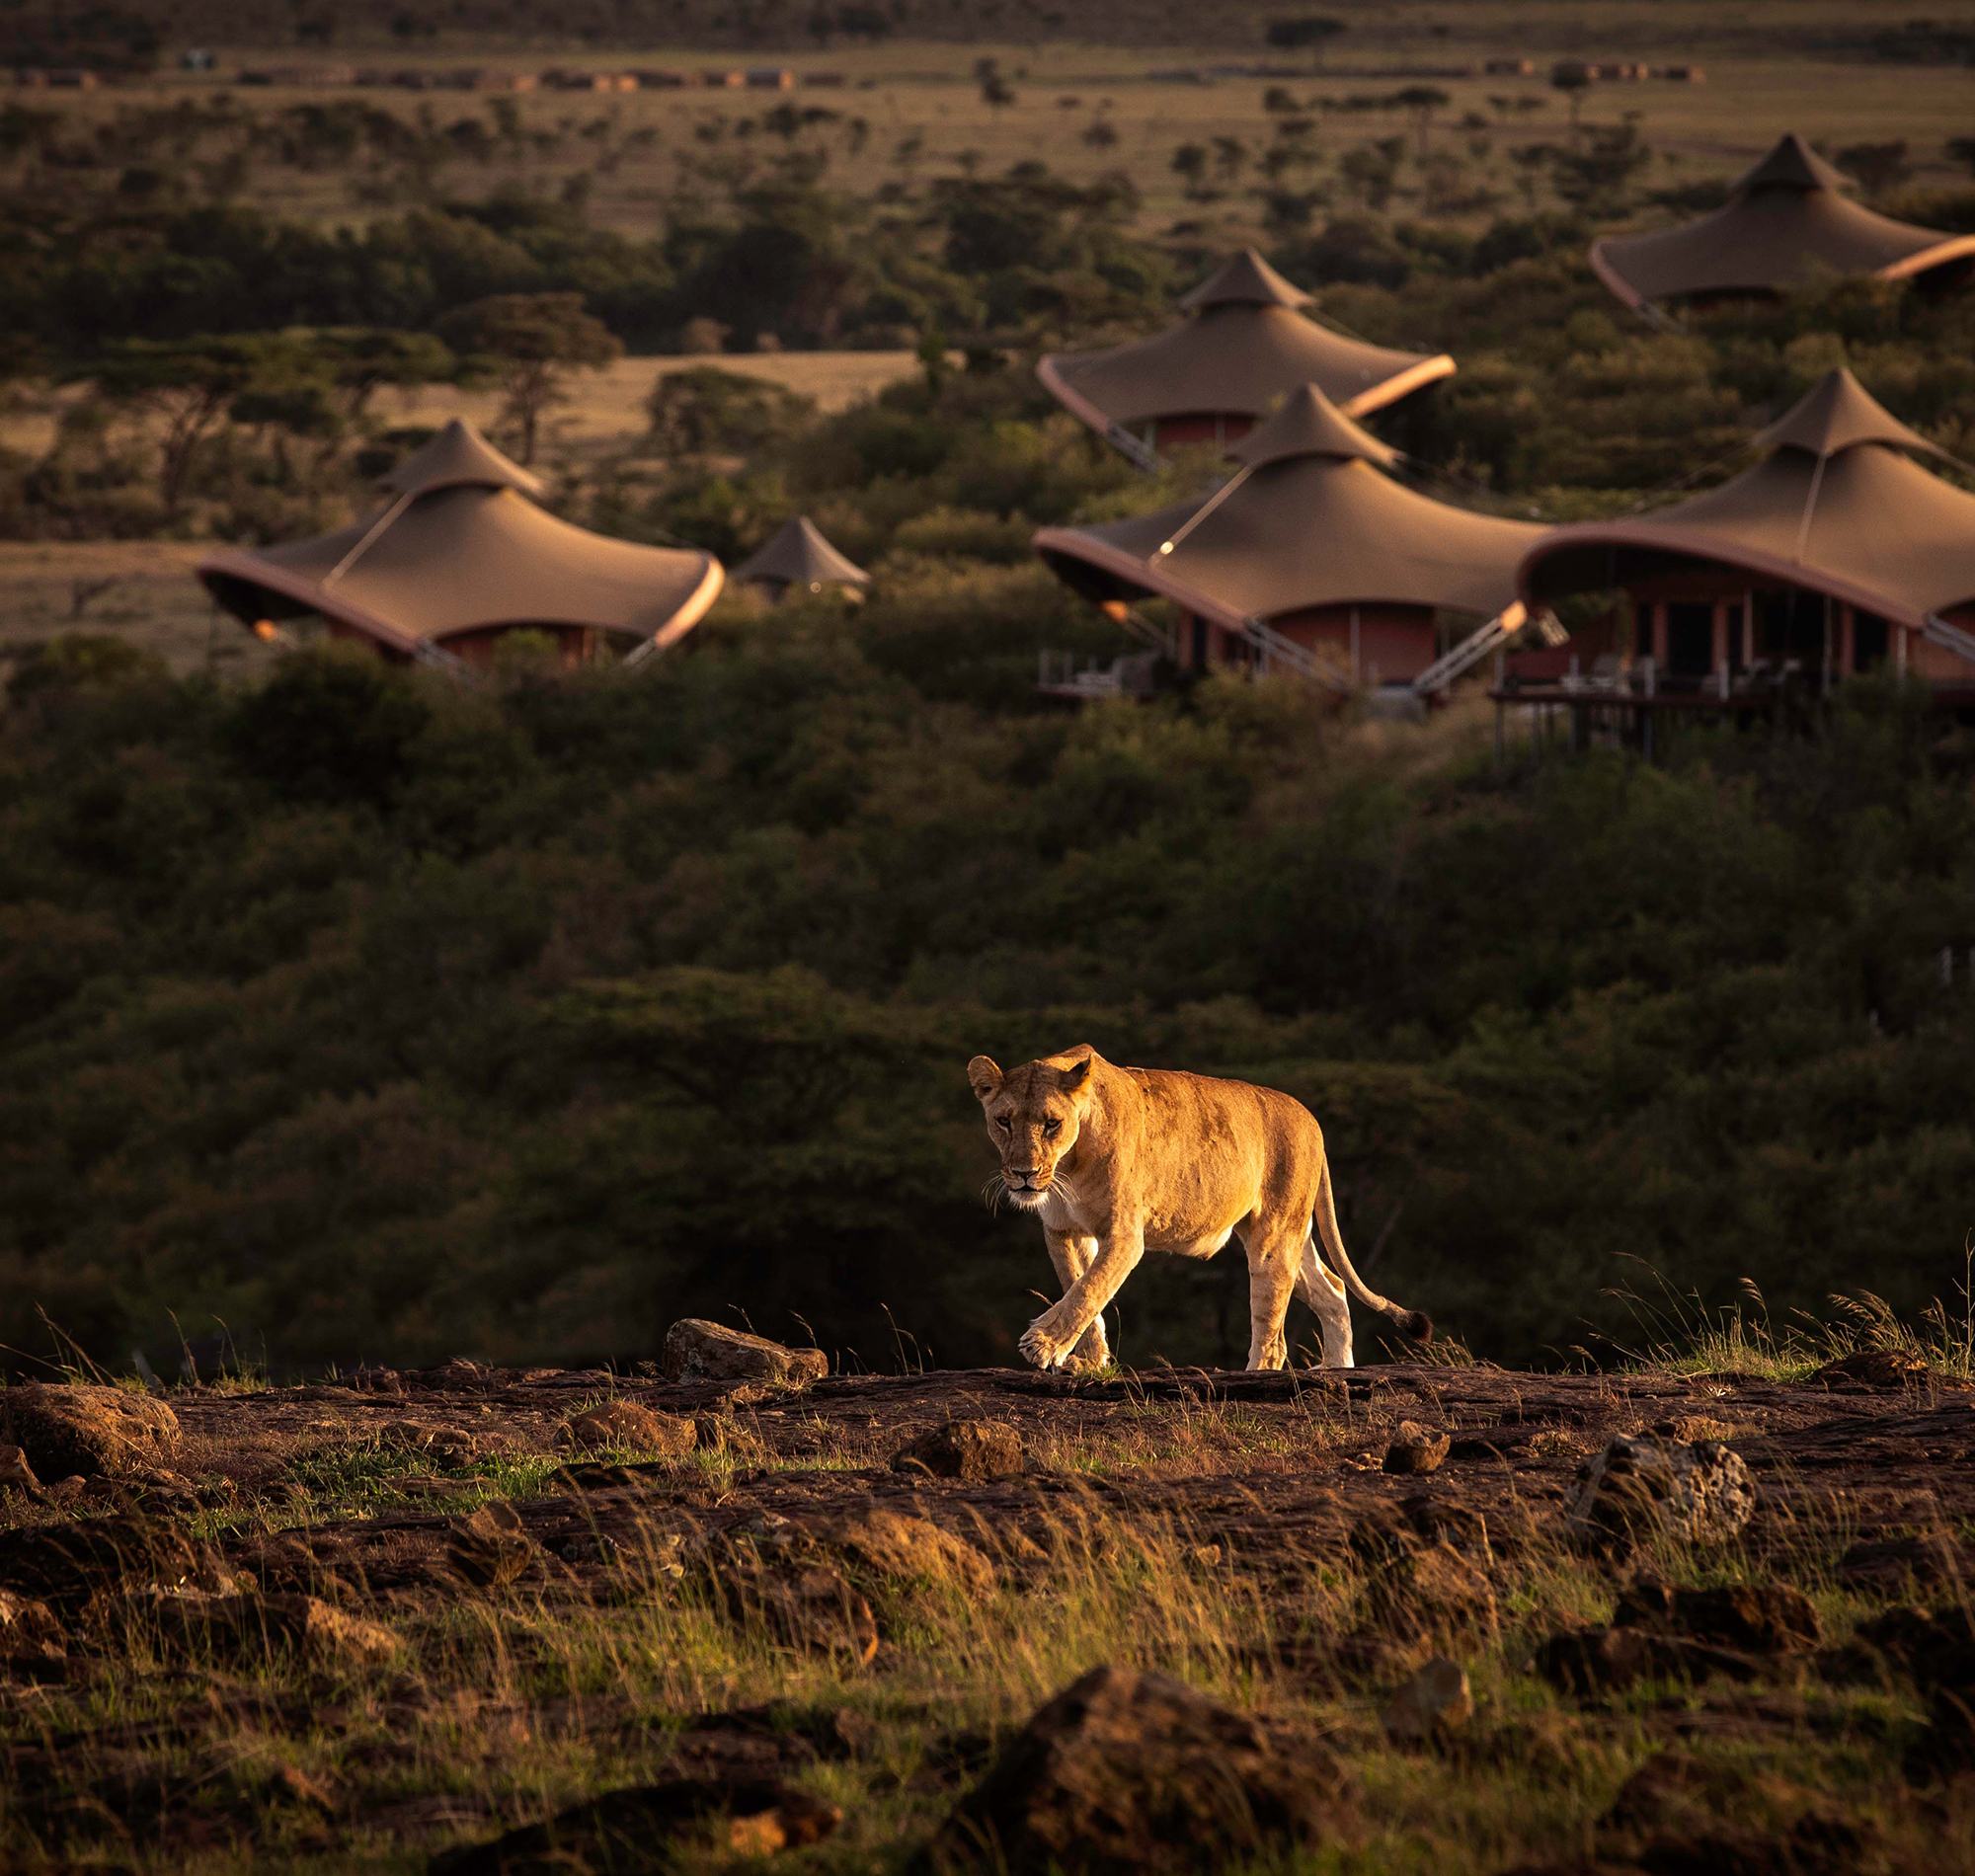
16, 1474
1635, 1487
1875, 1368
378, 1380
895, 1544
1416, 1450
812, 1608
1127, 1771
87, 1431
27, 1628
964, 1449
623, 1423
490, 1546
1418, 1589
697, 1351
627, 1830
413, 1435
1435, 1702
1770, 1619
249, 1627
1604, 1660
1691, 1427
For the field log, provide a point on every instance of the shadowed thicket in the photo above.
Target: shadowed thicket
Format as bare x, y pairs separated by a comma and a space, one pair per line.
384, 1020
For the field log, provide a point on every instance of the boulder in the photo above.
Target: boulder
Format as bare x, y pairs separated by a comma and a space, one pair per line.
964, 1449
623, 1423
697, 1351
1416, 1450
89, 1432
1434, 1703
1126, 1771
638, 1832
490, 1547
1636, 1487
1416, 1588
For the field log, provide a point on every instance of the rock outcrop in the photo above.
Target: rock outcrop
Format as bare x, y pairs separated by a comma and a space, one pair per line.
697, 1351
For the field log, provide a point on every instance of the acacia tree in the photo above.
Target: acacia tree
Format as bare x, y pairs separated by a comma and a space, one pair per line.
1422, 101
529, 342
188, 385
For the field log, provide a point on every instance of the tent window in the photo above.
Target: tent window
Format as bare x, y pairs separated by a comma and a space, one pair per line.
1643, 630
1689, 638
1870, 639
1199, 660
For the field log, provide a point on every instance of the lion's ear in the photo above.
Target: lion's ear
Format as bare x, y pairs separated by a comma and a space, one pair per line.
1074, 1076
982, 1076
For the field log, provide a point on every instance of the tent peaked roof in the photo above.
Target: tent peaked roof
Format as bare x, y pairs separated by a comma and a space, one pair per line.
1838, 414
799, 555
1244, 279
1311, 425
1256, 347
1321, 528
1792, 164
459, 457
463, 558
1836, 506
1787, 225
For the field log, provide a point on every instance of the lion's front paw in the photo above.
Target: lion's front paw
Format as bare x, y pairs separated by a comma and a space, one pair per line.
1042, 1349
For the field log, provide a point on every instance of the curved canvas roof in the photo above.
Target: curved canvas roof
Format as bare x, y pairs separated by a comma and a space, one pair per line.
799, 556
459, 456
1301, 527
1837, 506
1786, 222
463, 549
1243, 346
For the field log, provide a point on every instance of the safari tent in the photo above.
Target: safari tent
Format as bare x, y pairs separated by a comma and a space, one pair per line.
1786, 222
797, 558
1311, 553
459, 554
1832, 555
1246, 342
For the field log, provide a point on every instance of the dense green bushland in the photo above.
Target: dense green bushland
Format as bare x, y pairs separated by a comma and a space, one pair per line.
381, 1020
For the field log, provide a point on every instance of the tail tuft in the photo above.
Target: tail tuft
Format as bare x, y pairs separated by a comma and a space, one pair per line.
1417, 1324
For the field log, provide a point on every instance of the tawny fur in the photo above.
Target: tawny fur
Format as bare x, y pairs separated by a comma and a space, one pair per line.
1116, 1162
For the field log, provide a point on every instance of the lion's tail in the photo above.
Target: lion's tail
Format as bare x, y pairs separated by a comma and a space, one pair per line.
1414, 1323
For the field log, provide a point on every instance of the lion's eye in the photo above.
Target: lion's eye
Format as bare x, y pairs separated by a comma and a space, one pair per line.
1001, 1121
1052, 1128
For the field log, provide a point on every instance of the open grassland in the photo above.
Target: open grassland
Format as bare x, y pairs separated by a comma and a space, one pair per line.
909, 112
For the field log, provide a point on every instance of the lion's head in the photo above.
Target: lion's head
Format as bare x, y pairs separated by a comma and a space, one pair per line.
1034, 1113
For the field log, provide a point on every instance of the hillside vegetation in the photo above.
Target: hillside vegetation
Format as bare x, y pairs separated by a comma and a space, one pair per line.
381, 1021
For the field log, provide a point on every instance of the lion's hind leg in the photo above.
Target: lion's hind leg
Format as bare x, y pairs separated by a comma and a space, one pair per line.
1323, 1290
1272, 1277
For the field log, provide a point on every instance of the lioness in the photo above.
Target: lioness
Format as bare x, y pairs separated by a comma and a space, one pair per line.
1119, 1161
